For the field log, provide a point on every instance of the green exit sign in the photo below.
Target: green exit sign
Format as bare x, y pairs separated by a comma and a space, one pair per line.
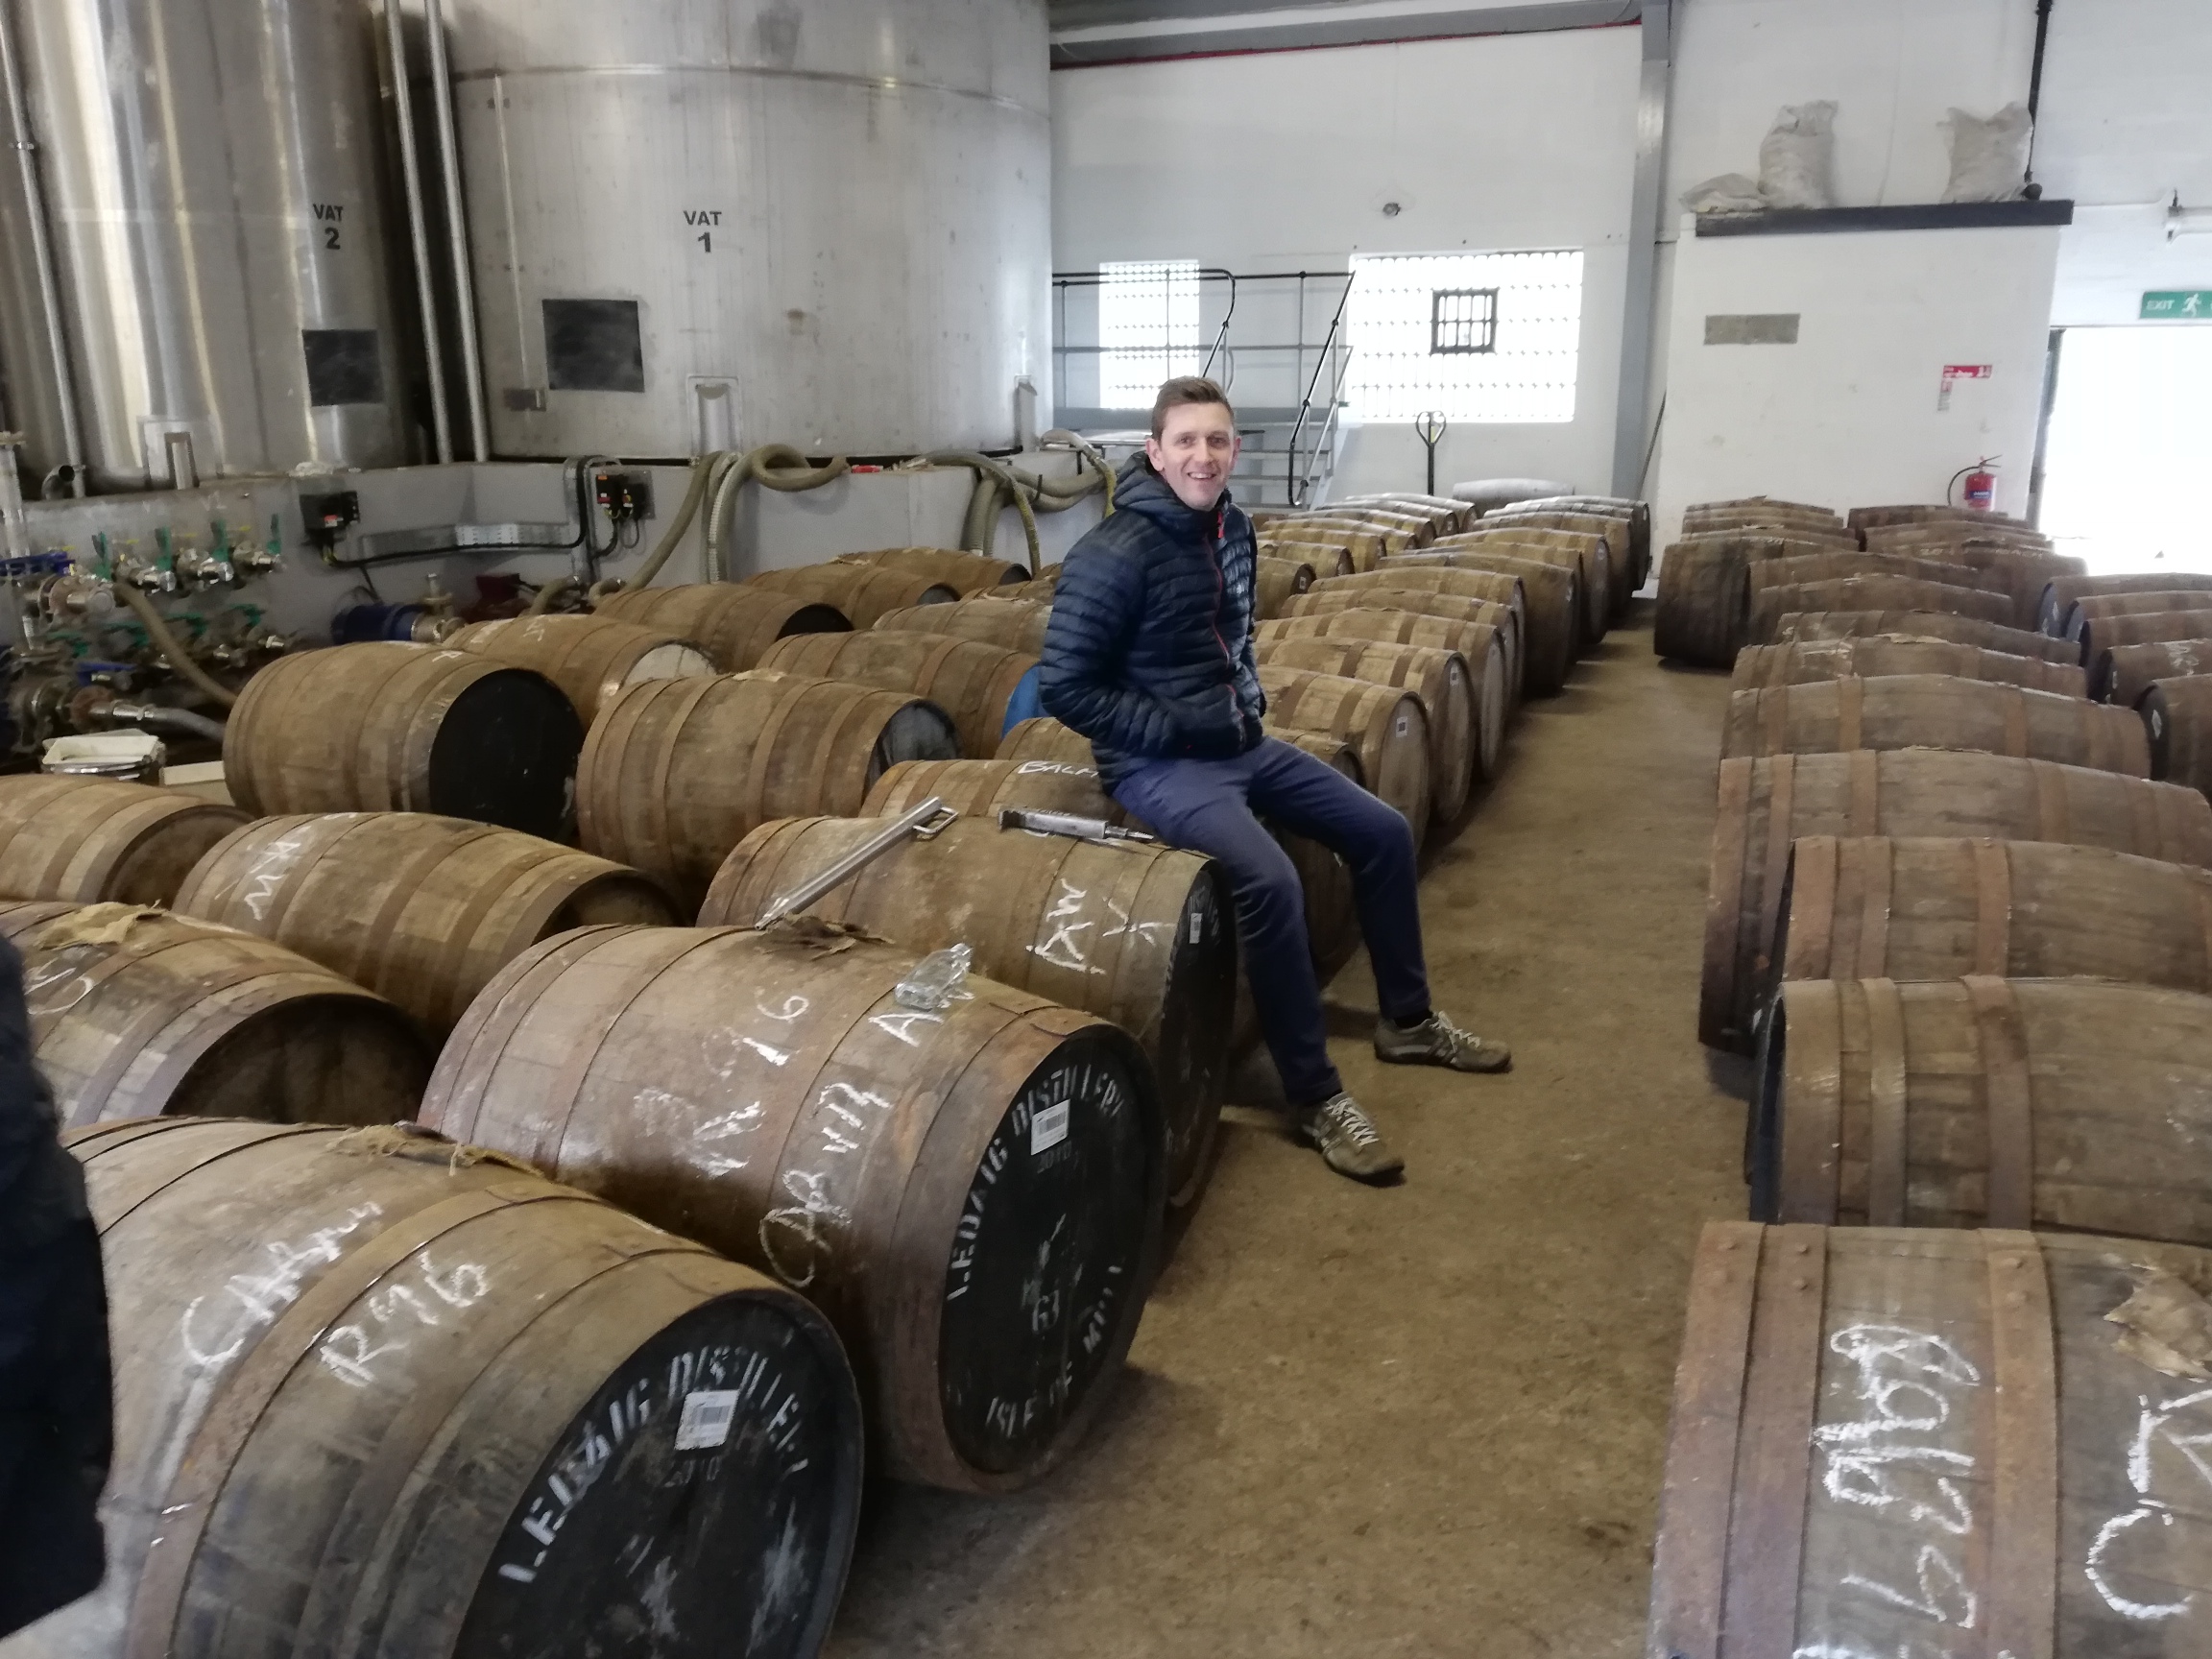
2178, 305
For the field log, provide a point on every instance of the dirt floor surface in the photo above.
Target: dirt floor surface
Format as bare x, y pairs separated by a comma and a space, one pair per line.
1428, 1419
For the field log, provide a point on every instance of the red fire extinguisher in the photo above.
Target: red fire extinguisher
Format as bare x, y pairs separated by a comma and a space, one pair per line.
1980, 483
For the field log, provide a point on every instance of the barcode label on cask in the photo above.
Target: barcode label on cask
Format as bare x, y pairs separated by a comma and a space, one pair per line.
708, 1414
1049, 1127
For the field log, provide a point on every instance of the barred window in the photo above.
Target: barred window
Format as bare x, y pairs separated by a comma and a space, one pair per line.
1481, 337
1462, 321
1148, 327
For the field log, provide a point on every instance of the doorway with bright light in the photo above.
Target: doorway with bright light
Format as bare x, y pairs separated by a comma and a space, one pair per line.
2130, 435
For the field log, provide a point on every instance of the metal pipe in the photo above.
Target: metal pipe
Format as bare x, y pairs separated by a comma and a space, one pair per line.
411, 172
1639, 318
157, 718
41, 249
457, 230
924, 823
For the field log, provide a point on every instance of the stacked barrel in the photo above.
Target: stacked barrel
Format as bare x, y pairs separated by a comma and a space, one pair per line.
1968, 939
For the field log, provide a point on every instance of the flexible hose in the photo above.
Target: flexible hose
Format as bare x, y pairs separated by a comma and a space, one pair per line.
179, 660
981, 464
542, 600
1092, 453
678, 527
778, 467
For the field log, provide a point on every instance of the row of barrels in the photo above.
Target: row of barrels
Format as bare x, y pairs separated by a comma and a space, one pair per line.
1970, 945
968, 1196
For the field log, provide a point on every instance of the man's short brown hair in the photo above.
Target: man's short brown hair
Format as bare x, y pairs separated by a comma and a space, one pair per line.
1187, 389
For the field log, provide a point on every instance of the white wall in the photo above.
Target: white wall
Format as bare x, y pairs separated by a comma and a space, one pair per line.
2126, 123
1849, 415
1893, 68
1284, 160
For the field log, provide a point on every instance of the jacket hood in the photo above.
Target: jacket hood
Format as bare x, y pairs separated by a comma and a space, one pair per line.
1139, 489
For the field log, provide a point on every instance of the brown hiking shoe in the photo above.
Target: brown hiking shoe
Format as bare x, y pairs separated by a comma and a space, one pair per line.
1348, 1141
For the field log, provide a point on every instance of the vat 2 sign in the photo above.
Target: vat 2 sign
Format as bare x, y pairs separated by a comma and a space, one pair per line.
1954, 372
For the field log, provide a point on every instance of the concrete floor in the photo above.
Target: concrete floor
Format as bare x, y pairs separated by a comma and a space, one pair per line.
1428, 1419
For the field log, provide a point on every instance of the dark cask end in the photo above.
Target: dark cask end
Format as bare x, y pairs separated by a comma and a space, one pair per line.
1144, 936
99, 840
420, 909
1987, 1102
383, 727
971, 1192
732, 622
1930, 1441
2120, 674
136, 1013
1812, 625
2062, 591
676, 771
380, 1394
1276, 582
2177, 719
965, 573
591, 658
861, 593
971, 680
1805, 662
1934, 712
1766, 806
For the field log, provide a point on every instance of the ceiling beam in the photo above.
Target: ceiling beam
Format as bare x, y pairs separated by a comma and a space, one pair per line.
1089, 32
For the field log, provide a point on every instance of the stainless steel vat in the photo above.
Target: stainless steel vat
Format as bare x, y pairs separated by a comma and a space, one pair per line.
212, 184
707, 223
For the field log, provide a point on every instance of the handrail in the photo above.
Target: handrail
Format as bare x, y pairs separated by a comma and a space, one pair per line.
1327, 355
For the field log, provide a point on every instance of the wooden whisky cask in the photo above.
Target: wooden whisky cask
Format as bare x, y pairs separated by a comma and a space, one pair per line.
591, 658
972, 682
1934, 712
96, 840
972, 1194
1804, 662
734, 622
1812, 625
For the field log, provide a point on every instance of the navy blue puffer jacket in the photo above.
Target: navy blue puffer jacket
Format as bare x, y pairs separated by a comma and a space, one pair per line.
1148, 652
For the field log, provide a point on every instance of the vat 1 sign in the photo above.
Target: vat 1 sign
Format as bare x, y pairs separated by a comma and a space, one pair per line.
1953, 373
2177, 305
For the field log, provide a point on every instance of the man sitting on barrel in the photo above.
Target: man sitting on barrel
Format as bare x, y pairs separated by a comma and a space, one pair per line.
1148, 654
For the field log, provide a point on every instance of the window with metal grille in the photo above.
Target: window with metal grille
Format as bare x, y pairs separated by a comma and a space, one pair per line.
1462, 321
1147, 328
1418, 339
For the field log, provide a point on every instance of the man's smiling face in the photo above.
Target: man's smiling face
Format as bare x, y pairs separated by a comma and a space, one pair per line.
1197, 448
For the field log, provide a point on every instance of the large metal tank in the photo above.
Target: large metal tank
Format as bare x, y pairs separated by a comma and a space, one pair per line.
213, 192
704, 224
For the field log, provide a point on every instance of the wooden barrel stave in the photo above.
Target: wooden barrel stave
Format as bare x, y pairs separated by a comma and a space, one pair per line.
589, 657
420, 909
1803, 662
887, 1161
1327, 554
1942, 907
1927, 1441
863, 592
1704, 586
1766, 805
1767, 608
2048, 1103
97, 840
1403, 618
980, 789
1012, 624
732, 622
384, 726
2121, 674
965, 573
1804, 626
1144, 936
1385, 724
137, 1013
1478, 642
1443, 681
350, 1383
1551, 613
1934, 712
2061, 592
971, 680
1794, 569
1590, 555
678, 772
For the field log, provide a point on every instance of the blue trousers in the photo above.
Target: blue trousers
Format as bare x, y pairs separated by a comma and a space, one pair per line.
1211, 807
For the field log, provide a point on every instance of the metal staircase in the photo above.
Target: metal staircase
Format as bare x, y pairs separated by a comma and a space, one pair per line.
1292, 425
